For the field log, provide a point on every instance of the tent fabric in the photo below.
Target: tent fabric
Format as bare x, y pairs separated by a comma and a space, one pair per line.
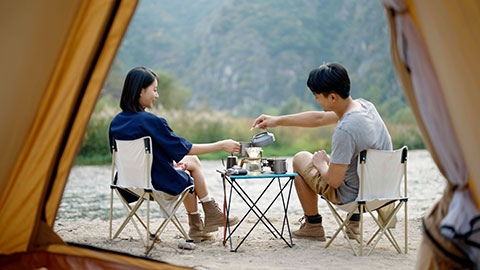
435, 50
88, 101
72, 257
55, 58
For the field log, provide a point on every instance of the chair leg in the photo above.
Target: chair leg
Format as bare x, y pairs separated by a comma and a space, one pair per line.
341, 223
129, 209
111, 213
180, 228
170, 216
135, 208
388, 233
361, 229
406, 229
384, 228
148, 218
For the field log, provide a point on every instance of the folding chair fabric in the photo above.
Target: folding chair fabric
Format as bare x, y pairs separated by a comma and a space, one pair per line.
133, 168
133, 162
381, 174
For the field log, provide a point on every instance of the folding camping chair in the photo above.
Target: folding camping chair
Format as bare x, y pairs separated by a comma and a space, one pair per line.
133, 163
380, 174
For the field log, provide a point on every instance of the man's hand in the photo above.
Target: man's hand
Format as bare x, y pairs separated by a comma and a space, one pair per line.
332, 173
321, 160
265, 121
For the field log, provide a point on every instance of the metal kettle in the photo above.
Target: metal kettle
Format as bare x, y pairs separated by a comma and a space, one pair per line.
262, 139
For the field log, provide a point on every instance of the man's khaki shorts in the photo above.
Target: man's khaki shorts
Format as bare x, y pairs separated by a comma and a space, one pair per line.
318, 185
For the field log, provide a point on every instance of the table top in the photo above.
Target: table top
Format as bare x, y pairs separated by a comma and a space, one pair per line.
263, 175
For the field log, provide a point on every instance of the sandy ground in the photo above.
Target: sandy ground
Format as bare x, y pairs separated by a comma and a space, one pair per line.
83, 218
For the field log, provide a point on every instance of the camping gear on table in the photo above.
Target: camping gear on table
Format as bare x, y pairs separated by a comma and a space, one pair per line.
263, 139
253, 163
276, 165
231, 161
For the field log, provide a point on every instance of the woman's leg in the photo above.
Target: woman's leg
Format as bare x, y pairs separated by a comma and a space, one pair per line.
214, 217
194, 167
197, 230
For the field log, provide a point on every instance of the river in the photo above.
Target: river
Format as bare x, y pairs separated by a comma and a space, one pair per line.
87, 192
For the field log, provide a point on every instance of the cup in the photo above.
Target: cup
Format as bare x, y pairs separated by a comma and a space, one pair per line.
231, 161
280, 166
243, 148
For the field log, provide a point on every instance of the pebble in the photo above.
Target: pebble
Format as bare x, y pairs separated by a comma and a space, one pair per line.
186, 245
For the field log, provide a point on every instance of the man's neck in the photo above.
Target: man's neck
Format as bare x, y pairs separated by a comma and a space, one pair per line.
344, 106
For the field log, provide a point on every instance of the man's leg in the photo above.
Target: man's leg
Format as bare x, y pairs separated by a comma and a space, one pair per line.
312, 228
308, 198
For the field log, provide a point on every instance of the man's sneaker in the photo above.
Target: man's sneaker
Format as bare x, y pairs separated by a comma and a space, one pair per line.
310, 231
355, 227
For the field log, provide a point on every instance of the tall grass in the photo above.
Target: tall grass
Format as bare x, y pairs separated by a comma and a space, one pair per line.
207, 126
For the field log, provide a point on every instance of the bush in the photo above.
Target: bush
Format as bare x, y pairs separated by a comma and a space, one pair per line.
95, 147
208, 126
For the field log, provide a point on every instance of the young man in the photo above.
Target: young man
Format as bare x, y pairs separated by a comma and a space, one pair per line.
359, 127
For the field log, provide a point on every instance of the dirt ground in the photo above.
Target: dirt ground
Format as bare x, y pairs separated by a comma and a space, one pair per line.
83, 218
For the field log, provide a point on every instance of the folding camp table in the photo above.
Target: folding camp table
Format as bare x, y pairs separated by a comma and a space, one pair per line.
236, 182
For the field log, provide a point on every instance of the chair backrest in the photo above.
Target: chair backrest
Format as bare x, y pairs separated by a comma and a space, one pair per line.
133, 161
382, 173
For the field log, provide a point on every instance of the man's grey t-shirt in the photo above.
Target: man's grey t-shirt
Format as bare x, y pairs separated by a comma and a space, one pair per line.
357, 131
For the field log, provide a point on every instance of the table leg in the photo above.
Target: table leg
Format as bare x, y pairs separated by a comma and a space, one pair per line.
264, 217
251, 204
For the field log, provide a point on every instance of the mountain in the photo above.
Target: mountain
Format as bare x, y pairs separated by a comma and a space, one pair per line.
251, 56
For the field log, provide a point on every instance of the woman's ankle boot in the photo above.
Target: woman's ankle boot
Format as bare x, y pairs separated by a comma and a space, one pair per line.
197, 229
214, 216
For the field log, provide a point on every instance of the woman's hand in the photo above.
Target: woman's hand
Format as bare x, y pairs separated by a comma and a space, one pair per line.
264, 121
180, 166
230, 146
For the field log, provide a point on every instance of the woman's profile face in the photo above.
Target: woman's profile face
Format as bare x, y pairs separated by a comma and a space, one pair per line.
149, 95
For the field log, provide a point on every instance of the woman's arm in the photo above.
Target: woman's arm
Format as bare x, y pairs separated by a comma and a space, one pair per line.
229, 146
303, 119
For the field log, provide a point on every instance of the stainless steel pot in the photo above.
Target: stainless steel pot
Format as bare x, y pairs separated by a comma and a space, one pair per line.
279, 166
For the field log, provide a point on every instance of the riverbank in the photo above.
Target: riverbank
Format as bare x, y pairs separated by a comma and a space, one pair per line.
83, 218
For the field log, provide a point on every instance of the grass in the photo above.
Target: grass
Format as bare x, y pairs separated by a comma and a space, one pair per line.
209, 126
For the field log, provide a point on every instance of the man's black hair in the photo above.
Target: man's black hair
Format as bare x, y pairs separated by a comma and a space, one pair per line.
137, 79
328, 78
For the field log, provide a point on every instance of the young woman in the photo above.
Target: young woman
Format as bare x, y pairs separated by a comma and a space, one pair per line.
174, 161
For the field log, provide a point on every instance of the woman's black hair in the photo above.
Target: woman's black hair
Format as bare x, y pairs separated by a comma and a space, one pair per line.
137, 79
328, 78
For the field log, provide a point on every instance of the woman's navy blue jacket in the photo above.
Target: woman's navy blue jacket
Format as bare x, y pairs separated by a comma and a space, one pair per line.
167, 147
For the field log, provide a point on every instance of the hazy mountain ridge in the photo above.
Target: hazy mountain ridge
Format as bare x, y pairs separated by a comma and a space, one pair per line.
253, 56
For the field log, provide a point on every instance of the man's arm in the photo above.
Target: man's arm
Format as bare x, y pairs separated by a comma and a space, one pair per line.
332, 173
303, 119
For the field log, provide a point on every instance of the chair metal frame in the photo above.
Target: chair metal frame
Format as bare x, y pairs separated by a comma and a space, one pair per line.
360, 206
146, 193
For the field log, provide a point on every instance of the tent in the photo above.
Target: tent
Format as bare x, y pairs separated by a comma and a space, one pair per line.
435, 50
55, 57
